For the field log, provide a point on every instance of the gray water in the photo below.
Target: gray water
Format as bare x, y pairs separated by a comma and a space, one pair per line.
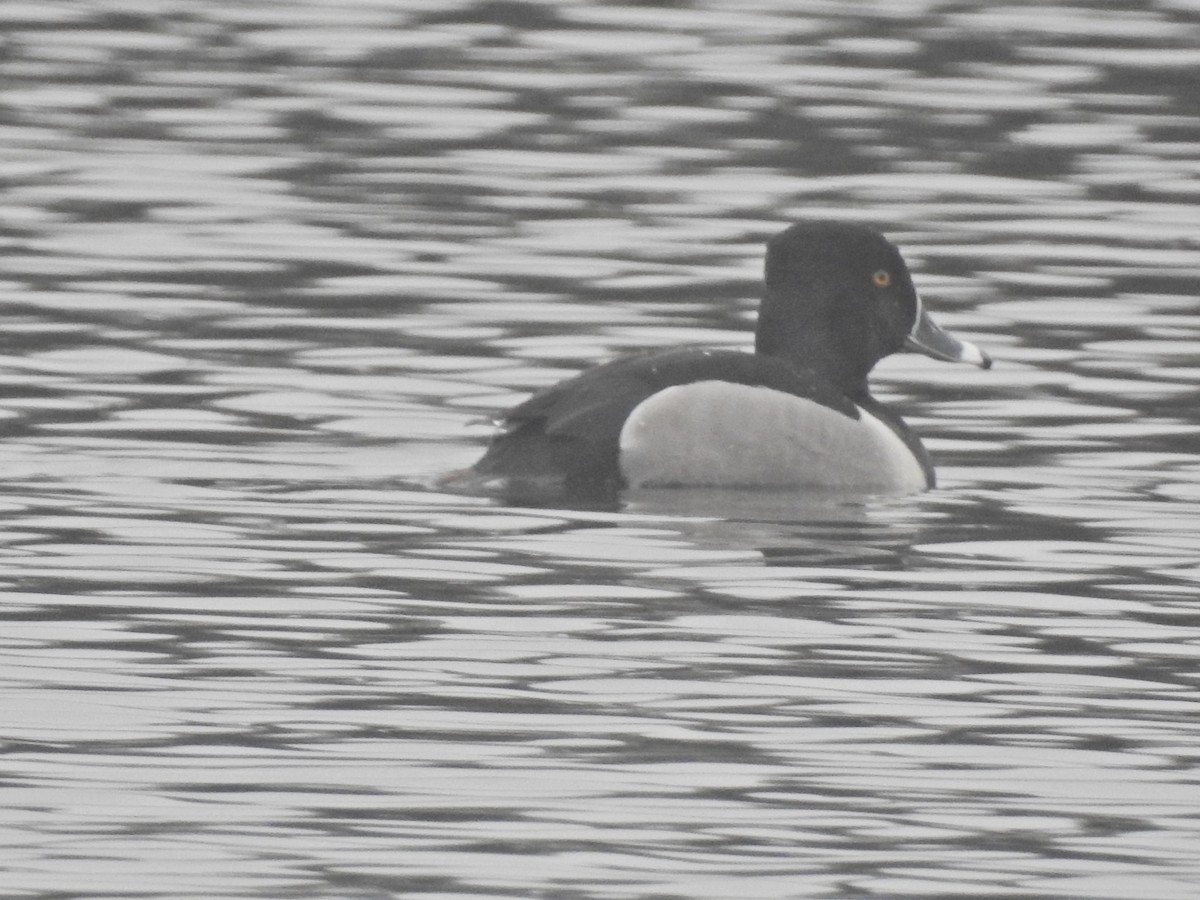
264, 266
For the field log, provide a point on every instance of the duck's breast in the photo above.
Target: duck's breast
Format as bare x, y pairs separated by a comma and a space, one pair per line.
719, 433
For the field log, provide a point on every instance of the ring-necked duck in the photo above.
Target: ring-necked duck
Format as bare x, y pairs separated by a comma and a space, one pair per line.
795, 413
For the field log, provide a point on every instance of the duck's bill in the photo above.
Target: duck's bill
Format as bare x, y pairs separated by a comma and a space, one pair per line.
929, 339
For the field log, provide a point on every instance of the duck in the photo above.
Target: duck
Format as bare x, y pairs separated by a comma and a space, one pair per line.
797, 413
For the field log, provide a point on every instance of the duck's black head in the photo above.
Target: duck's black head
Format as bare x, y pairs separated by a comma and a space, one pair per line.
839, 298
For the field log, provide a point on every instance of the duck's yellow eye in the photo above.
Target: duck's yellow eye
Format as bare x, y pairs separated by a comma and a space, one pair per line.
882, 278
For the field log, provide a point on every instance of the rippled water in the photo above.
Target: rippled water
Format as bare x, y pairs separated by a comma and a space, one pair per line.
265, 267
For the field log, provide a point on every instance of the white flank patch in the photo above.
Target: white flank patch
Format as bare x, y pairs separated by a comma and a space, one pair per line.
716, 433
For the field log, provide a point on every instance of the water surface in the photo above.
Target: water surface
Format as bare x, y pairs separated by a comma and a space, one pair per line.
266, 267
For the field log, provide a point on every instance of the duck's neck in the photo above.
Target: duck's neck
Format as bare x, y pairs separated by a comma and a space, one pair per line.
829, 354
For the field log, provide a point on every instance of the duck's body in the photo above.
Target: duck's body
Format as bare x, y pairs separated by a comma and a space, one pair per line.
797, 412
696, 417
